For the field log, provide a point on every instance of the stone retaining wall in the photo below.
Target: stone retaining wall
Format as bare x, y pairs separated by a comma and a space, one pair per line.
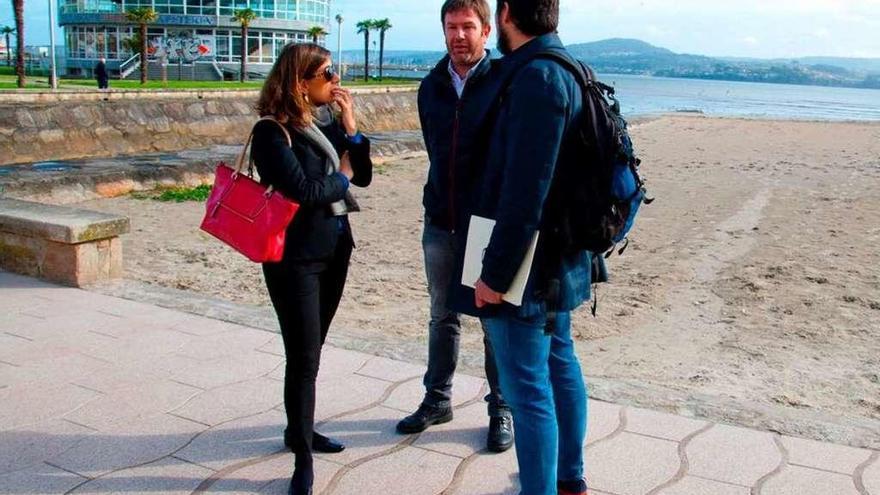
37, 127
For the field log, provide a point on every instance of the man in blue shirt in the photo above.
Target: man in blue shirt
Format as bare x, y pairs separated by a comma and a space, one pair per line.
451, 108
531, 145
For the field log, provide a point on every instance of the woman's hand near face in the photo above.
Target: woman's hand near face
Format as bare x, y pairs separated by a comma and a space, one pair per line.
343, 98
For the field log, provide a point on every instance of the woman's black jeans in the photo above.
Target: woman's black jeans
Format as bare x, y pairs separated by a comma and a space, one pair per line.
305, 296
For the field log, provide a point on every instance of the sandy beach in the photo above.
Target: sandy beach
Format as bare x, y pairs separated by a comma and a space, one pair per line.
754, 277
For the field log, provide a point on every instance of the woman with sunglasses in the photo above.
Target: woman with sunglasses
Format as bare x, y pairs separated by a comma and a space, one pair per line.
325, 158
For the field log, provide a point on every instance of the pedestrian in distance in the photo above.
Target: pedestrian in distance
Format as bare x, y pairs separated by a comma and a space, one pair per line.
101, 74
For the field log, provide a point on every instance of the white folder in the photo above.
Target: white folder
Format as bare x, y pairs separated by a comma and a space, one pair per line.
479, 235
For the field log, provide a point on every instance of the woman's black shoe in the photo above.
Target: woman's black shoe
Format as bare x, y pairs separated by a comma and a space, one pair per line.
301, 482
294, 491
326, 445
320, 443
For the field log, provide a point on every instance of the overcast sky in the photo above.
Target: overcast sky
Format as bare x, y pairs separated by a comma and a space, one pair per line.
743, 28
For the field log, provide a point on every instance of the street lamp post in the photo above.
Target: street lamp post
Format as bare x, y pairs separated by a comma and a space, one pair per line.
339, 20
53, 77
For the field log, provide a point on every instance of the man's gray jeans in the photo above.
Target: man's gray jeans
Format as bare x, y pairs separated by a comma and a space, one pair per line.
445, 327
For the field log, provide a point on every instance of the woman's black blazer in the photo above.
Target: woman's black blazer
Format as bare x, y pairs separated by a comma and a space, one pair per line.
299, 173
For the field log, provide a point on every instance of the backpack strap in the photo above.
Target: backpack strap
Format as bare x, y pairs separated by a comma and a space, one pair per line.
602, 127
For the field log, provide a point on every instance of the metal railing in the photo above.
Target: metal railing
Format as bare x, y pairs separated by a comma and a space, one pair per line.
217, 69
129, 66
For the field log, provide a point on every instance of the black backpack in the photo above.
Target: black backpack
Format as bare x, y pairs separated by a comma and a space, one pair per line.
603, 192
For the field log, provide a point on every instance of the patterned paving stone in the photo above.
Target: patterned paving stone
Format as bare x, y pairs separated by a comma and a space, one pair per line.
21, 324
795, 480
392, 371
204, 327
463, 436
364, 434
56, 365
40, 478
660, 425
408, 396
130, 404
810, 453
631, 464
718, 454
143, 348
117, 378
237, 441
231, 342
337, 363
28, 405
221, 404
271, 476
489, 474
11, 346
603, 420
17, 299
113, 364
85, 321
347, 394
127, 445
699, 486
166, 476
276, 347
395, 474
165, 318
871, 477
27, 447
216, 372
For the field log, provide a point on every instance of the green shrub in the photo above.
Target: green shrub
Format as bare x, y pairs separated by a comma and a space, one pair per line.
183, 194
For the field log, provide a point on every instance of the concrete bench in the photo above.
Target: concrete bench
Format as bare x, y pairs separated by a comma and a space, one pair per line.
64, 245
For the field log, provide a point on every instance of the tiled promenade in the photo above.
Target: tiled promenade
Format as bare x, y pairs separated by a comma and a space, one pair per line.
103, 395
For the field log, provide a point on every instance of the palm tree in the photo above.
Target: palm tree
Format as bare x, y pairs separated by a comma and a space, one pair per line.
316, 32
244, 17
6, 31
382, 25
364, 27
142, 16
133, 44
18, 5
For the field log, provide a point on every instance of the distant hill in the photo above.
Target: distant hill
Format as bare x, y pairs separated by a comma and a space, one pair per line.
626, 56
865, 65
630, 56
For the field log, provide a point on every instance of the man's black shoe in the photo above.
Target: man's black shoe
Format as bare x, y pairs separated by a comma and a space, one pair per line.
500, 436
320, 443
424, 417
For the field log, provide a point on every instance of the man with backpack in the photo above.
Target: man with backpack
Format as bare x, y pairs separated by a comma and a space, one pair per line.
533, 145
450, 110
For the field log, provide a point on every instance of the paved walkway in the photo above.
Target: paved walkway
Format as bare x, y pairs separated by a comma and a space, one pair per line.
104, 395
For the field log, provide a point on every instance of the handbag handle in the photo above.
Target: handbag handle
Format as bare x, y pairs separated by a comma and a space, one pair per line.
239, 164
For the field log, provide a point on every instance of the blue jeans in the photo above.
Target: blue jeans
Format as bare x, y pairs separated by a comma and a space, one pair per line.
445, 327
542, 382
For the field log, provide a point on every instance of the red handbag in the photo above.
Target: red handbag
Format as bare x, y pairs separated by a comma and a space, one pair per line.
246, 215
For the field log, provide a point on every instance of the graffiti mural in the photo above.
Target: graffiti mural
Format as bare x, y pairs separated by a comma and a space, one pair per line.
182, 47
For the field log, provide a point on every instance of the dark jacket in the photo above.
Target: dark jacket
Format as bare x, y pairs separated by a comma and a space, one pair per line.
101, 72
535, 124
299, 172
449, 126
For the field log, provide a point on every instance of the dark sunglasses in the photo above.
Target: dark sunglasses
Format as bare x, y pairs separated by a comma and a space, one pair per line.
329, 73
